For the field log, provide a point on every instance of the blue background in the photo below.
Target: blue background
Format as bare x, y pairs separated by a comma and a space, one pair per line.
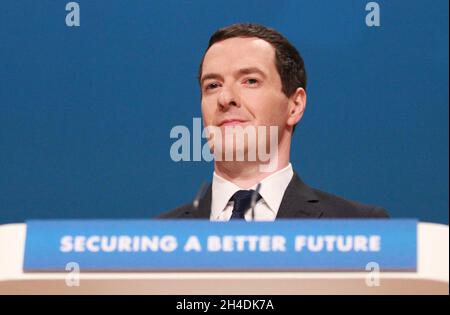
85, 113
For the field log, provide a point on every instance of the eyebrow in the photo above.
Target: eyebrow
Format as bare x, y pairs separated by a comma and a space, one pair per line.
251, 70
210, 76
242, 71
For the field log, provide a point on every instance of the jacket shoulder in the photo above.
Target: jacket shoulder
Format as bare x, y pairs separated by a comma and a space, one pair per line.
337, 207
177, 213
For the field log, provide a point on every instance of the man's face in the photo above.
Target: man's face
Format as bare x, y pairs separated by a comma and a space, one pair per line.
241, 86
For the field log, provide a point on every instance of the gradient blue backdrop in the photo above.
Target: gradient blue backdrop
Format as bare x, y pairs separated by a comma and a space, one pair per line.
85, 113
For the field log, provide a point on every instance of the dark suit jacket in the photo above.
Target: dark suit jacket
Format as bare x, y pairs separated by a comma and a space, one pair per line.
299, 201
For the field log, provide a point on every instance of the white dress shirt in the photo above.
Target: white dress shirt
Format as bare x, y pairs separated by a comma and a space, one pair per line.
272, 191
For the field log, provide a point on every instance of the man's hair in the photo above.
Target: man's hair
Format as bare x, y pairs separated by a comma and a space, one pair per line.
288, 60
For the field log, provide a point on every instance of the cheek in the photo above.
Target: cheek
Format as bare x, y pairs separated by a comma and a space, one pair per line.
269, 108
207, 113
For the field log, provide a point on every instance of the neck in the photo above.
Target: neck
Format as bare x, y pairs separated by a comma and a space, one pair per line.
247, 174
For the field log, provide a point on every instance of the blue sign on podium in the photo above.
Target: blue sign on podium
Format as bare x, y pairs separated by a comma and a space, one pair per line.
197, 245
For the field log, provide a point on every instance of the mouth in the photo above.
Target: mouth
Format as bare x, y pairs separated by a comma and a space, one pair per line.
231, 122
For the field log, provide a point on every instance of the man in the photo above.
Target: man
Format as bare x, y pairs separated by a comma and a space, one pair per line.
252, 77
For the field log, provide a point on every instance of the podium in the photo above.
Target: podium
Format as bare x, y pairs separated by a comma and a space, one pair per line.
431, 276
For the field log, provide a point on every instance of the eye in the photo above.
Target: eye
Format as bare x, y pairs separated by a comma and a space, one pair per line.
211, 86
252, 81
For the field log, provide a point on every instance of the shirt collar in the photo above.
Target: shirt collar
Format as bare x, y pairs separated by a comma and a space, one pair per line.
272, 190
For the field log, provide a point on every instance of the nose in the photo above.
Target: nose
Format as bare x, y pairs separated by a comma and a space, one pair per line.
227, 98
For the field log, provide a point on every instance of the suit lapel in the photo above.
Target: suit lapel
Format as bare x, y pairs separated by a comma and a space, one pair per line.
299, 201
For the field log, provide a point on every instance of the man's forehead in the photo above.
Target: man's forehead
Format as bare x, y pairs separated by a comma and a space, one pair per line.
235, 53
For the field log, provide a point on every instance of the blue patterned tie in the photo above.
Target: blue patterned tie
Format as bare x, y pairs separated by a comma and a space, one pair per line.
242, 201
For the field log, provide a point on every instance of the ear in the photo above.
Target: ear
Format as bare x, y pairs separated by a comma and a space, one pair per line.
297, 105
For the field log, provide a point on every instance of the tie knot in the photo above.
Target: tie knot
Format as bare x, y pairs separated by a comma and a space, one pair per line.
242, 201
